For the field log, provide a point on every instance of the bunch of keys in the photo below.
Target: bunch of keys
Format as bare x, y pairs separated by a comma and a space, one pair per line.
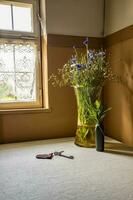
51, 155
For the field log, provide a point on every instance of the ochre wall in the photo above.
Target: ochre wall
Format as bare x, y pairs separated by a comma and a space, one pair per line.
119, 44
60, 121
119, 121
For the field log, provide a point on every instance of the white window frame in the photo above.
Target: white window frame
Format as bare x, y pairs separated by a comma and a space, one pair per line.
13, 36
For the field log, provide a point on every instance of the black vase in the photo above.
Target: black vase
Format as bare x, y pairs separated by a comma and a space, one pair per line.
99, 138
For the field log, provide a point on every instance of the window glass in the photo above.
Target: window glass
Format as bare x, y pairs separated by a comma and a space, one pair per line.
20, 70
18, 18
5, 17
17, 77
22, 18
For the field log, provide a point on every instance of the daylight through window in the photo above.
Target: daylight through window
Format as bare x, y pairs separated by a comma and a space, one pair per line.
19, 55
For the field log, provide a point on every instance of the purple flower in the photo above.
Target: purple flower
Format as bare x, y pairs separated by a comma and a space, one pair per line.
86, 41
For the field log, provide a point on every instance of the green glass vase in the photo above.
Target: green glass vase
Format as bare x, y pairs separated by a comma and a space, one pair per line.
85, 133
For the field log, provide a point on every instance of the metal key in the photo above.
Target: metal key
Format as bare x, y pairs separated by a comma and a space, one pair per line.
56, 153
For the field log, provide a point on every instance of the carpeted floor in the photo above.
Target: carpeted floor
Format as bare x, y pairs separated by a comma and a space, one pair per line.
90, 176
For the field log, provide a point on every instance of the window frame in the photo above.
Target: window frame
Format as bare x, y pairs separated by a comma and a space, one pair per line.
14, 36
22, 34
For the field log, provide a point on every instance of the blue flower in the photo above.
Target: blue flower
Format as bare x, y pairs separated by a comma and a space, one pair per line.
86, 41
79, 66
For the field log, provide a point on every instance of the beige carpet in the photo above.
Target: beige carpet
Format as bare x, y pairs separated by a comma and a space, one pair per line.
90, 176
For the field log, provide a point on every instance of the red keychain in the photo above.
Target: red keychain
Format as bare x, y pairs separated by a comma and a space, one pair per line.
45, 156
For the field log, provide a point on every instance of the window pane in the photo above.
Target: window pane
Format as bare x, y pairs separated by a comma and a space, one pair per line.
7, 87
22, 18
5, 17
17, 72
6, 58
25, 86
25, 58
25, 71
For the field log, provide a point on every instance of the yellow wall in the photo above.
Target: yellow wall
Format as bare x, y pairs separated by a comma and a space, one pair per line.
59, 122
119, 123
119, 44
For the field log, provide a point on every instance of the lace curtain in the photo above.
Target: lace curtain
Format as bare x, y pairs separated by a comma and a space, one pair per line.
17, 71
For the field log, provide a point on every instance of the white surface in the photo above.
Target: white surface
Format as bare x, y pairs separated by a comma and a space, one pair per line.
119, 14
91, 175
74, 17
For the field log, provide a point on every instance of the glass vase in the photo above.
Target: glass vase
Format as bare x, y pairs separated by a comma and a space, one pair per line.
85, 133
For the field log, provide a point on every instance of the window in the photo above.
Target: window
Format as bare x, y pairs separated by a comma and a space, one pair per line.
20, 80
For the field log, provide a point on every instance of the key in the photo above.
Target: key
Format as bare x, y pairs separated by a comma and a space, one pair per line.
70, 157
62, 155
